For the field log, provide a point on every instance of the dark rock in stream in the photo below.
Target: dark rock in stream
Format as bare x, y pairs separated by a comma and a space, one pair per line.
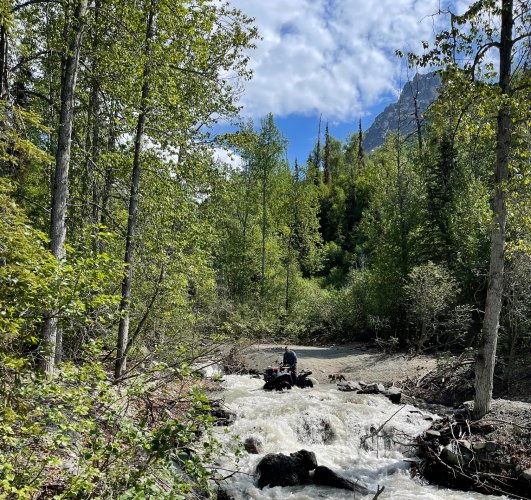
372, 389
223, 495
327, 477
277, 469
253, 445
394, 394
222, 416
349, 386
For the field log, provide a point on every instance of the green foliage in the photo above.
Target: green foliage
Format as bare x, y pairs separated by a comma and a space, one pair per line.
78, 436
26, 274
430, 290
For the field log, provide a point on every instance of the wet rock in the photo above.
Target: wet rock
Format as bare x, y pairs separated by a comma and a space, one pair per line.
277, 469
488, 446
348, 386
430, 434
314, 431
527, 474
328, 433
222, 416
327, 477
394, 394
306, 459
449, 456
253, 445
223, 495
456, 453
372, 389
465, 443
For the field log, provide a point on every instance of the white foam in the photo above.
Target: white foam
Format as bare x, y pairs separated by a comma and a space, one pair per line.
331, 424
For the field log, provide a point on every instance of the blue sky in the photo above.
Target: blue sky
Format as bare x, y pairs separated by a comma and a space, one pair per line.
331, 57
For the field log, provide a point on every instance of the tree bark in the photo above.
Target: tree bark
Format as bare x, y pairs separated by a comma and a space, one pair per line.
3, 62
108, 175
123, 328
94, 132
288, 275
486, 358
52, 336
264, 229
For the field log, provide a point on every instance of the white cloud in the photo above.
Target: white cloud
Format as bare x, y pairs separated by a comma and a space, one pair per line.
228, 157
330, 56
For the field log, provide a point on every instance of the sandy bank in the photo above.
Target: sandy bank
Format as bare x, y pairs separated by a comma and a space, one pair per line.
355, 361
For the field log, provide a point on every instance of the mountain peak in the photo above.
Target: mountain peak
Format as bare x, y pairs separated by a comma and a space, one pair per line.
423, 89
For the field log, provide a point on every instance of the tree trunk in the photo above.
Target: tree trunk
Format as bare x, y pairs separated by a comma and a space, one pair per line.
3, 62
416, 112
264, 228
108, 176
52, 336
123, 328
95, 115
486, 358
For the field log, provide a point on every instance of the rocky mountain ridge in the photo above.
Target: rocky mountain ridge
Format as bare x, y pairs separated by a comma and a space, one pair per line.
422, 89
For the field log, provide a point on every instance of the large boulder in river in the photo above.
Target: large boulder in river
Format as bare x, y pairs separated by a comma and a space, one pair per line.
306, 459
277, 469
327, 477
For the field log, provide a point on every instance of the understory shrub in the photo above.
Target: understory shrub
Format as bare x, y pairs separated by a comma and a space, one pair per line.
77, 435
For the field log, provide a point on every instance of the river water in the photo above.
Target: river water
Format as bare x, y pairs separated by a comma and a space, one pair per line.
331, 424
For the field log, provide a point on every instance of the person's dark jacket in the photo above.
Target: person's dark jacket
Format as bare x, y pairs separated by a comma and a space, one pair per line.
290, 358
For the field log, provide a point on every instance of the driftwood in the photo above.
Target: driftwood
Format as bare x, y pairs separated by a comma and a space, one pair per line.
447, 384
379, 491
457, 454
374, 432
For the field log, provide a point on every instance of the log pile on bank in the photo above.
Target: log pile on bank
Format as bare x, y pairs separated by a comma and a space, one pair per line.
491, 456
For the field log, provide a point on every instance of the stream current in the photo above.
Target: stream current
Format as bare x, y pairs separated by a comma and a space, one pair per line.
332, 424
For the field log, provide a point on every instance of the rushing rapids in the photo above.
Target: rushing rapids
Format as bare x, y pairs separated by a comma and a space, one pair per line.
333, 425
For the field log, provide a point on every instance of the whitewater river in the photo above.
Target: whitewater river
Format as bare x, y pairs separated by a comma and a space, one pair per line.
331, 424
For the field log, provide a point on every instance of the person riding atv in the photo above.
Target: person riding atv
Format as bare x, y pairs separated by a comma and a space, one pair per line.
290, 360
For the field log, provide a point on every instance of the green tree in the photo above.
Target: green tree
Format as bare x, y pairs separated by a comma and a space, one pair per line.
186, 51
474, 35
430, 290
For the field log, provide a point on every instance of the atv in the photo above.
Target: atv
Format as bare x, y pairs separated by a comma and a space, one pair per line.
279, 378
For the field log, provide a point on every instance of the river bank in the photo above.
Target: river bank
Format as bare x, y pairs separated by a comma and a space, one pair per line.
355, 361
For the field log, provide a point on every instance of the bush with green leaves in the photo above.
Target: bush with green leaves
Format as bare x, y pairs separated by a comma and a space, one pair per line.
26, 277
77, 435
430, 290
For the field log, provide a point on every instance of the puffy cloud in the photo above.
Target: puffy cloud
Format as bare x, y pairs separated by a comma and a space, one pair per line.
228, 157
331, 56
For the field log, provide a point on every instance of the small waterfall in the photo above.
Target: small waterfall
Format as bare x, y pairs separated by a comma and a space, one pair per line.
332, 424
